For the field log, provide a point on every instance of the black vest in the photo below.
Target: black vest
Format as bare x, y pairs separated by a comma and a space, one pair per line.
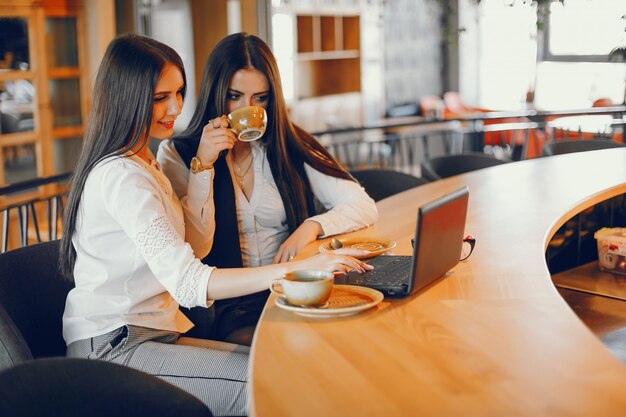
226, 250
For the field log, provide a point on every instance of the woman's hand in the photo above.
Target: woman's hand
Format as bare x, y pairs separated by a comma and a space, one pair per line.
305, 234
216, 137
340, 260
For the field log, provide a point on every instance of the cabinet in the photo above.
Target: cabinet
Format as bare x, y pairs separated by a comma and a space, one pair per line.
323, 57
43, 87
328, 59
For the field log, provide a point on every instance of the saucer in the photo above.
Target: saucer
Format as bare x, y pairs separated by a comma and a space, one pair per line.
376, 245
345, 300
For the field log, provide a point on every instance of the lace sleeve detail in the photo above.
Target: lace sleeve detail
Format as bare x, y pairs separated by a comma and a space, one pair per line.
158, 236
188, 286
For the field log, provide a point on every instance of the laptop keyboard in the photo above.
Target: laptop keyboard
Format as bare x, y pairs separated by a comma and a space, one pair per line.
393, 274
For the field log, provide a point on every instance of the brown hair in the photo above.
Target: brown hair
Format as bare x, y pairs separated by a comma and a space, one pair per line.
120, 115
288, 146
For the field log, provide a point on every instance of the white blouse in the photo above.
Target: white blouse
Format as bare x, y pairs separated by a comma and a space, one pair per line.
133, 266
262, 220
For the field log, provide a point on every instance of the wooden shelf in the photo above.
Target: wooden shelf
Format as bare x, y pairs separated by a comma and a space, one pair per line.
589, 279
313, 56
328, 55
305, 34
328, 76
328, 33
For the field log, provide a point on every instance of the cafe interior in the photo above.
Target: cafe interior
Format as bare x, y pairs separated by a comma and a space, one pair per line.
521, 101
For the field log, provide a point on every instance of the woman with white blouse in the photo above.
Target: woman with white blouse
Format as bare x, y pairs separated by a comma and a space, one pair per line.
272, 196
129, 244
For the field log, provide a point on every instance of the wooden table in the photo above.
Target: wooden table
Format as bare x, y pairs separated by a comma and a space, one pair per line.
493, 338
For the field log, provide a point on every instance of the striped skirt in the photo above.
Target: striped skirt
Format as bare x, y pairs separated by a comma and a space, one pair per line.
215, 372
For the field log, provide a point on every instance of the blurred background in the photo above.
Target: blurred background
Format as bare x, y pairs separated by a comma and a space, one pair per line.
344, 63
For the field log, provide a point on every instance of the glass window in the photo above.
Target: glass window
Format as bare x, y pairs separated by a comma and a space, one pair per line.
61, 42
65, 100
19, 163
586, 28
576, 69
16, 106
576, 85
66, 152
14, 44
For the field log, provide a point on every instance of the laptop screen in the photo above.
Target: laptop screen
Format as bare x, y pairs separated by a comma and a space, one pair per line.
439, 237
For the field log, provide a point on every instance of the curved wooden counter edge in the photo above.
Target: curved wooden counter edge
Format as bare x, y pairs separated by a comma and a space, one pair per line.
492, 338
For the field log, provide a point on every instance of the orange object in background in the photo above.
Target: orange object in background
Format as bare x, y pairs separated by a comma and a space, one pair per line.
514, 138
432, 107
603, 102
583, 131
454, 104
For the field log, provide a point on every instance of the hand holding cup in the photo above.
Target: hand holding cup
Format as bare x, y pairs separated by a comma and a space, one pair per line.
221, 133
216, 138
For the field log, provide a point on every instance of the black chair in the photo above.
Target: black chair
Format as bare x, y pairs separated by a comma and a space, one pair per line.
84, 387
583, 145
449, 165
382, 183
32, 294
32, 300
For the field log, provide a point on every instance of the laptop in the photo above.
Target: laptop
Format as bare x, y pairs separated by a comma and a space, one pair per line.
437, 249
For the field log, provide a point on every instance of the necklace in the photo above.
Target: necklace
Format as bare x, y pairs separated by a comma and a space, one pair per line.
241, 173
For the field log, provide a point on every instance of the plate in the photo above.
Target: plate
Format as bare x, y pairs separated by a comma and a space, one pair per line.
345, 300
376, 245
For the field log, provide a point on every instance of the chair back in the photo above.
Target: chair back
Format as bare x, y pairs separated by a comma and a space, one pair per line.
32, 300
84, 387
449, 165
583, 145
32, 211
382, 183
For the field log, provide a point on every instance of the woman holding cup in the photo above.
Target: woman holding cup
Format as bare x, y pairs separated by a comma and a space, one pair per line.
272, 196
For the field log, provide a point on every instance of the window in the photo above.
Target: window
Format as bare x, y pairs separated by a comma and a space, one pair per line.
585, 30
576, 70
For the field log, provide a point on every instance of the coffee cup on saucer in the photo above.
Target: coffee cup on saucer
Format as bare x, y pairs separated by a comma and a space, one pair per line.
304, 288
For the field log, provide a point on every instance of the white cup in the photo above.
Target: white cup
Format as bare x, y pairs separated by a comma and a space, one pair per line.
304, 288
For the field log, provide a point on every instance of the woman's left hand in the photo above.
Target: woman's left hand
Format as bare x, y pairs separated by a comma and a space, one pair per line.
305, 234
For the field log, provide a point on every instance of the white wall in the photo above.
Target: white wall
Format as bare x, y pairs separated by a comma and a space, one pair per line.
171, 25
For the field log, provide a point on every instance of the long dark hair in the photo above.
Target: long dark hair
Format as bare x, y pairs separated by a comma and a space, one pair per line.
288, 146
120, 116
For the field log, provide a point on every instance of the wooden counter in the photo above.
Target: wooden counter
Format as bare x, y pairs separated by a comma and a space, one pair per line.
493, 338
